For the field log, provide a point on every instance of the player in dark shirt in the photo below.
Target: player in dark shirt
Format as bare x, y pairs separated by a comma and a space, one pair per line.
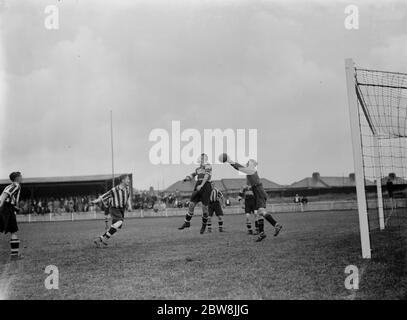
246, 194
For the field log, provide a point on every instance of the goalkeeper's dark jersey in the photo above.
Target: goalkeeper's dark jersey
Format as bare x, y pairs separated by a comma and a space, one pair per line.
260, 196
253, 179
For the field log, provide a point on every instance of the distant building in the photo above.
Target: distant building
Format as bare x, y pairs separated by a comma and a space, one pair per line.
317, 185
316, 181
309, 186
227, 186
234, 185
310, 182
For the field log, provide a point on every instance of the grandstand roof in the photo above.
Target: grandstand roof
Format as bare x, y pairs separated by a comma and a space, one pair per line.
87, 178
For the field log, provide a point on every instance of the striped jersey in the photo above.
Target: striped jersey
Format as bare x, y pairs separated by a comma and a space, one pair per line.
201, 171
117, 197
246, 192
107, 202
216, 195
13, 193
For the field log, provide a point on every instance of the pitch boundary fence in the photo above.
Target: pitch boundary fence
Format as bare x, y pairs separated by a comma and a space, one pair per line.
175, 212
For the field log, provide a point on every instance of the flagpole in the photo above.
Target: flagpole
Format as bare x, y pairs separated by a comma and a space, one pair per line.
111, 143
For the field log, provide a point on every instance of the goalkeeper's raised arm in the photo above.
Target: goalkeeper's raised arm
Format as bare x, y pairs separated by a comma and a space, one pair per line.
249, 169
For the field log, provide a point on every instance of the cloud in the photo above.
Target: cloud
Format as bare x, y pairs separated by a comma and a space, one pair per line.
265, 65
392, 54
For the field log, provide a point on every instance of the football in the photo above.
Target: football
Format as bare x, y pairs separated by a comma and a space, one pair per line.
223, 157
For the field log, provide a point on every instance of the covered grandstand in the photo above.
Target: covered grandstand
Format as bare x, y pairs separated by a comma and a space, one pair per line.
57, 187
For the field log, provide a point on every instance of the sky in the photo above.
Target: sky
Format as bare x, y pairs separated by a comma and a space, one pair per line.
273, 66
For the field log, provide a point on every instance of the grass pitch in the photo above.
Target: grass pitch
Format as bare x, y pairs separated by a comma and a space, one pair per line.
150, 259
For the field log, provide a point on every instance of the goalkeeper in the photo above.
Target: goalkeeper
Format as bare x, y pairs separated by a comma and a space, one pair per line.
260, 196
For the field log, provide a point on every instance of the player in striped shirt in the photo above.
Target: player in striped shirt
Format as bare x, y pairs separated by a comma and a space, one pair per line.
215, 206
260, 196
246, 193
201, 193
8, 209
119, 199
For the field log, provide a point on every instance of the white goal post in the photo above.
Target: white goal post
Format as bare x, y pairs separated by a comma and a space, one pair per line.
378, 121
358, 158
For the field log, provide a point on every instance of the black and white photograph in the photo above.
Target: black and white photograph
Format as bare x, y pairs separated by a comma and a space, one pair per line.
225, 151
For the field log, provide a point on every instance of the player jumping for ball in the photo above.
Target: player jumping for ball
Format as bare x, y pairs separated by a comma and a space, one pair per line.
119, 199
201, 193
8, 209
260, 196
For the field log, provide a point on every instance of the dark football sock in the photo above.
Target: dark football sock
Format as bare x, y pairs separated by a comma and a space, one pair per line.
204, 220
14, 246
261, 225
109, 233
208, 224
188, 217
256, 225
220, 223
270, 219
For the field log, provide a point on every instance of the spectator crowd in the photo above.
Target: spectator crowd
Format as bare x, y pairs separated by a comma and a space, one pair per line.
146, 200
58, 205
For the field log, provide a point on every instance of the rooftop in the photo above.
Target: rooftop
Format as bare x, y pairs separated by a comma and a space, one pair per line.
318, 181
222, 184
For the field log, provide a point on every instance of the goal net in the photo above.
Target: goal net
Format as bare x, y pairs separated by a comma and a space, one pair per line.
378, 114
